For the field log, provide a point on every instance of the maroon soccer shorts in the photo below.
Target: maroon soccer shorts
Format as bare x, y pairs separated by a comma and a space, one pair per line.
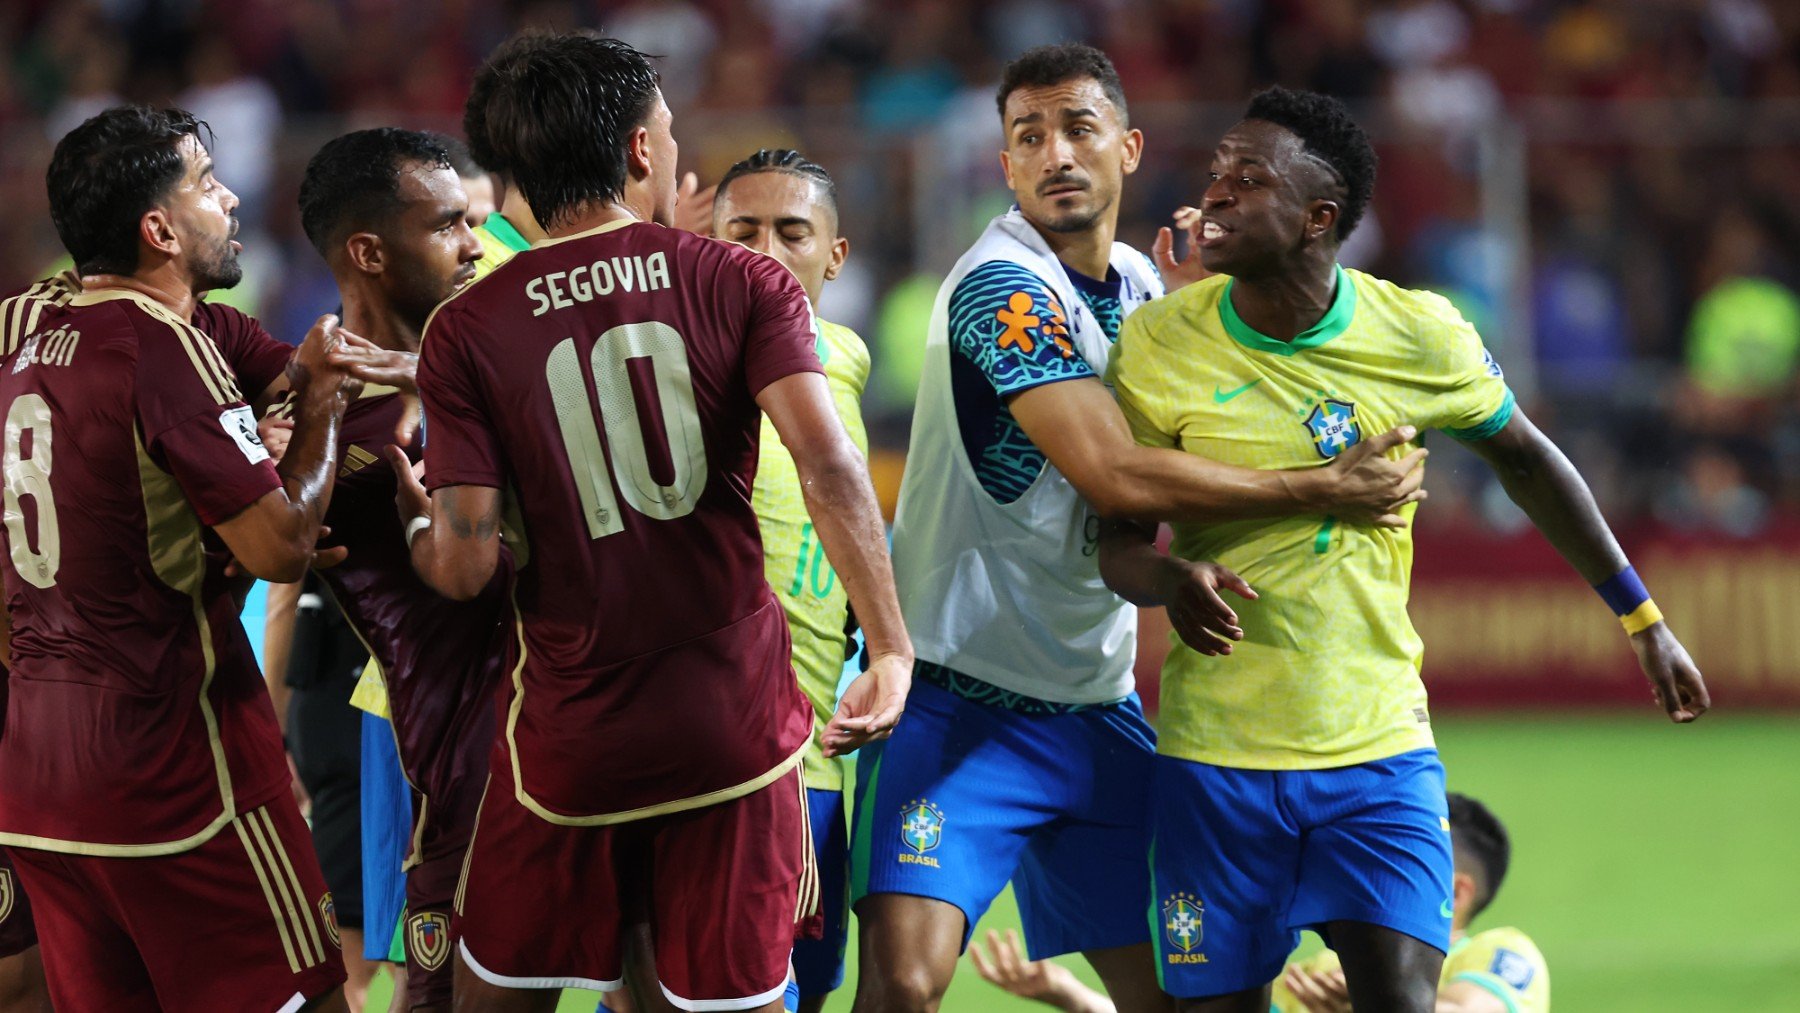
430, 892
17, 933
242, 922
722, 888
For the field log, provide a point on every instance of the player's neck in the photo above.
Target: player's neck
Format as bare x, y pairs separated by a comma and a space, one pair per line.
518, 214
595, 215
376, 320
1286, 304
1088, 251
165, 285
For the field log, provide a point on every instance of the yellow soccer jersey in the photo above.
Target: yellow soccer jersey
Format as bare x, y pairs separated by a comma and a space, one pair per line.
793, 560
499, 241
1503, 962
1328, 672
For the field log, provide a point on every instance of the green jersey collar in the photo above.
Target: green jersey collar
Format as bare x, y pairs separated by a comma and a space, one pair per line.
1335, 321
503, 230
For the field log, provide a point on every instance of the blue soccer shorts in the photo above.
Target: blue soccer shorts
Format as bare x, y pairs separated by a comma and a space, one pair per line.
819, 963
1242, 860
967, 795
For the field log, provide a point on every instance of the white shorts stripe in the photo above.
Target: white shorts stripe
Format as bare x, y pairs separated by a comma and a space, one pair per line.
508, 981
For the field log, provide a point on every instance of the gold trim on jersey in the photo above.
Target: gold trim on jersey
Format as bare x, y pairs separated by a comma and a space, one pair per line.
617, 223
177, 557
679, 805
202, 352
462, 879
19, 315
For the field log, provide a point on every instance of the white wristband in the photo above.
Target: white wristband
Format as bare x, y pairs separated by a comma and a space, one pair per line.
416, 525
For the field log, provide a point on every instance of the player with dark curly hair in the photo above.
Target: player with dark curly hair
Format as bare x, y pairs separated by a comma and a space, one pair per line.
1297, 783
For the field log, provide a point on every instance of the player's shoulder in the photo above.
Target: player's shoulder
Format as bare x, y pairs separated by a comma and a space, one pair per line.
1176, 317
1416, 305
844, 348
1507, 938
165, 345
994, 282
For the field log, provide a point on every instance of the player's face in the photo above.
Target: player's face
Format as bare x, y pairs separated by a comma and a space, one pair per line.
201, 213
663, 153
1262, 203
780, 214
481, 198
429, 251
1067, 154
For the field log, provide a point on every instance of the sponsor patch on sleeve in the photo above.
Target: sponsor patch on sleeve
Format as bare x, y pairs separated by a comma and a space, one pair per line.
240, 425
1513, 968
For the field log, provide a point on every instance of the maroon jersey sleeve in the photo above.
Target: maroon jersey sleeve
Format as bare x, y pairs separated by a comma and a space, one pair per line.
780, 337
196, 424
254, 355
461, 446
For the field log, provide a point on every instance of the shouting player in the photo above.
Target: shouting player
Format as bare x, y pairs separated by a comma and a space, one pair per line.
1025, 753
1298, 785
138, 726
386, 211
778, 203
646, 768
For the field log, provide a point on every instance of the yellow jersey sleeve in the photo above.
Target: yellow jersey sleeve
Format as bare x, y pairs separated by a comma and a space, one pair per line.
1504, 962
499, 241
793, 560
1469, 398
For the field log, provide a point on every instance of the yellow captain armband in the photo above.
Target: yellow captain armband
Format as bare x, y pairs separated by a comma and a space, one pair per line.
1641, 618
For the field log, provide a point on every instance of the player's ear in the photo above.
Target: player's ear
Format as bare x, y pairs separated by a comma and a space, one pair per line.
637, 154
1133, 150
1321, 219
364, 251
1006, 169
157, 230
840, 249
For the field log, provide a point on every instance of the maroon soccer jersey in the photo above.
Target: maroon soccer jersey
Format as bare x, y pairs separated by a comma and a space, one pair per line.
137, 722
608, 380
254, 355
441, 659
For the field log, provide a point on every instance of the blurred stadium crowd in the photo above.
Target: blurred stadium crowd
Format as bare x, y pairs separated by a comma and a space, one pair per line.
1610, 189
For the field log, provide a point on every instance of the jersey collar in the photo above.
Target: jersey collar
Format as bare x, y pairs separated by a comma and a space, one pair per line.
1335, 321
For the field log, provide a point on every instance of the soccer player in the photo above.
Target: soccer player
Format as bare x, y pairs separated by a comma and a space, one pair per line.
1494, 971
1298, 785
1497, 970
1025, 753
385, 209
138, 726
652, 726
778, 203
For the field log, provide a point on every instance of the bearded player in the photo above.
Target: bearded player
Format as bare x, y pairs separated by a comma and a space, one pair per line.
1298, 784
778, 203
386, 211
1025, 754
647, 765
138, 726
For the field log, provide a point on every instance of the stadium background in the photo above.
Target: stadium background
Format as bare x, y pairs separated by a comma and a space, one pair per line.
1610, 189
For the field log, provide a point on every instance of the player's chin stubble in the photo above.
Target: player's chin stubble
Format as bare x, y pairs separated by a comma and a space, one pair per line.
222, 269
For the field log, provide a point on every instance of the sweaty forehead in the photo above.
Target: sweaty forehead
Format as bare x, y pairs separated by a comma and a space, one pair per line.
1056, 100
770, 195
1275, 146
431, 186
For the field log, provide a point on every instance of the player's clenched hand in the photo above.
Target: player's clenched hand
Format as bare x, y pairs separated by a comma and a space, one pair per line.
871, 706
312, 360
410, 497
1177, 273
275, 433
694, 206
372, 363
1369, 487
1319, 992
1200, 616
1673, 677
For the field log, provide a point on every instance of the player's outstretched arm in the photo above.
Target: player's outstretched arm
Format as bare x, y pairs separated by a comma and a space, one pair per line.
274, 537
841, 501
1138, 572
1553, 494
1122, 479
454, 533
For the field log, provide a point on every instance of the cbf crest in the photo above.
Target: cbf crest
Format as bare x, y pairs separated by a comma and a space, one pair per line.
1334, 427
921, 826
1182, 922
428, 937
9, 894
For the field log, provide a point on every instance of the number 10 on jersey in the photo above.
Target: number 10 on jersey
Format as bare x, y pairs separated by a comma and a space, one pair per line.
669, 386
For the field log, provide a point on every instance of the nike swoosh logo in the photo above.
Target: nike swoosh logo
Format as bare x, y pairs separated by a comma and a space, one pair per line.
1446, 910
1221, 396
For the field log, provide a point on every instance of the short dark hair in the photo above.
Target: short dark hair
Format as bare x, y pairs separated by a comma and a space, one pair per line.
1477, 834
1328, 132
556, 115
461, 161
783, 160
1047, 65
353, 182
107, 172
